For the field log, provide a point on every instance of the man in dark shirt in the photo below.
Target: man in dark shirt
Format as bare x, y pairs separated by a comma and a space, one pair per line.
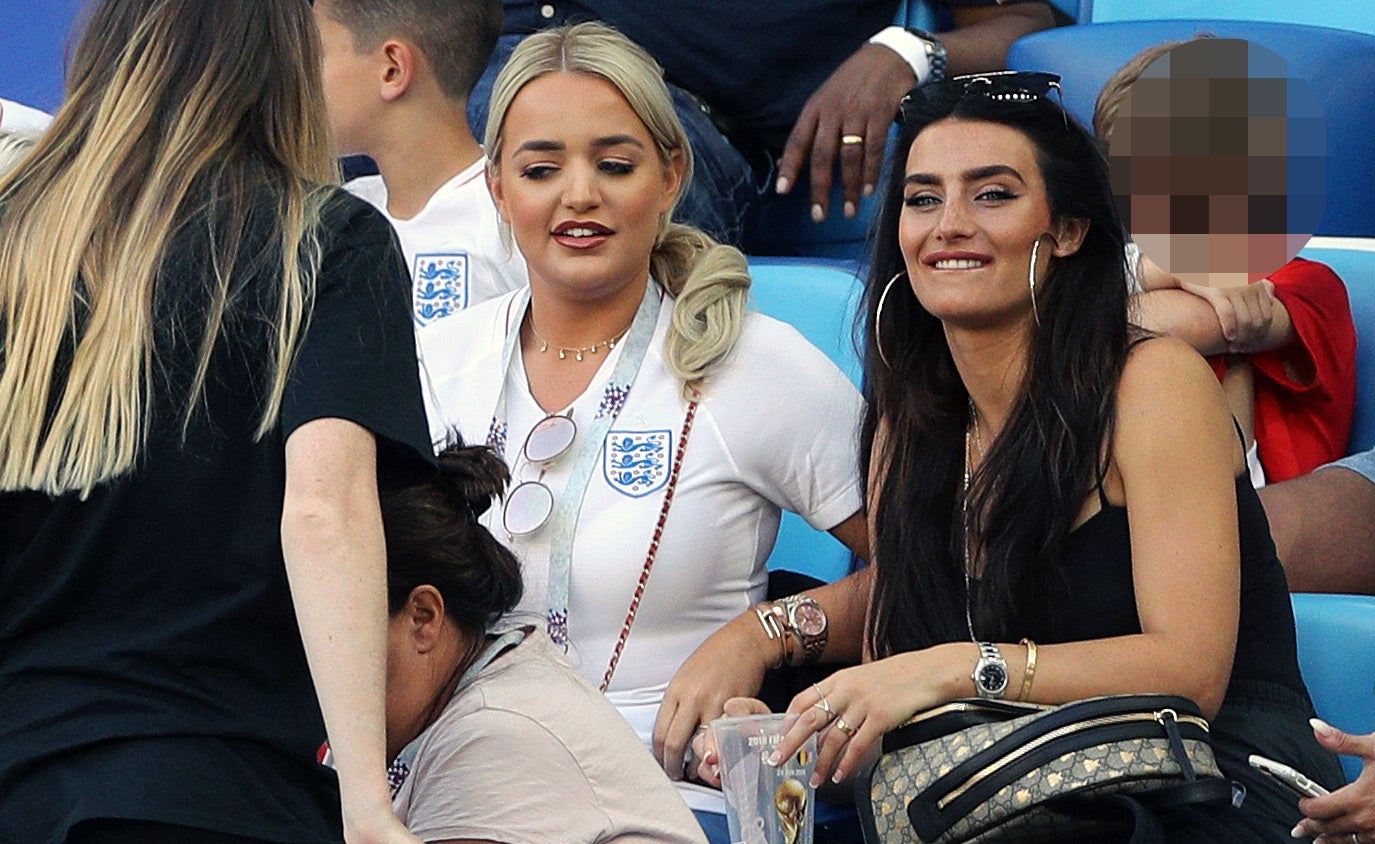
770, 90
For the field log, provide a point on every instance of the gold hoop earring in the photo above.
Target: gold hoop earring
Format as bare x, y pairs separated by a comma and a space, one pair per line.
878, 317
1031, 280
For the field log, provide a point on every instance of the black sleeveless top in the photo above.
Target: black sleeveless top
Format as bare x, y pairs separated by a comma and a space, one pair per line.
1101, 600
1266, 708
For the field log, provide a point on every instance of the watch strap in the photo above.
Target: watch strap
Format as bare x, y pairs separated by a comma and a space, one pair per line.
989, 655
923, 51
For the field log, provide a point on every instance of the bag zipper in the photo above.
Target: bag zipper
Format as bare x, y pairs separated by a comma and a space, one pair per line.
1068, 729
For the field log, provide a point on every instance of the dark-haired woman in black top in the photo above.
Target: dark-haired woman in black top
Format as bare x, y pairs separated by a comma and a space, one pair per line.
1038, 474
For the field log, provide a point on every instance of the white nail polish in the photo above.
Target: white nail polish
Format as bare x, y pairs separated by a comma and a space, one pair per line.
868, 190
781, 186
849, 209
818, 213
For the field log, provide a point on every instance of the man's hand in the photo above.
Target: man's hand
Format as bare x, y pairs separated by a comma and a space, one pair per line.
859, 100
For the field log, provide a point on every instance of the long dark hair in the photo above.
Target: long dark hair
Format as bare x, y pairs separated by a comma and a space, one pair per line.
1049, 456
433, 537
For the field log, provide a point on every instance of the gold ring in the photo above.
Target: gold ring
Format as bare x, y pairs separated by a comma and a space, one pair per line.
852, 139
844, 728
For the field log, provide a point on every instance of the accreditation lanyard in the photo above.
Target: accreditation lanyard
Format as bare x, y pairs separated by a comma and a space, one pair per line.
564, 520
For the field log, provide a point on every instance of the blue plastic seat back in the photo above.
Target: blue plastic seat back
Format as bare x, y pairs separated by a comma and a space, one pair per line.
32, 46
1338, 64
1353, 258
1355, 15
1336, 636
820, 300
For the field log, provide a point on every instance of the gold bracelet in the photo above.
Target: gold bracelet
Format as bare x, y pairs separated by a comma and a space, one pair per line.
1030, 673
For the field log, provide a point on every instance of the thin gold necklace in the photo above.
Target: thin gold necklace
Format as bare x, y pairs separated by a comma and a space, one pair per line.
964, 512
576, 351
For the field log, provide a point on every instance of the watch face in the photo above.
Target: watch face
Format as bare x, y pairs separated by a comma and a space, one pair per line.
992, 677
809, 619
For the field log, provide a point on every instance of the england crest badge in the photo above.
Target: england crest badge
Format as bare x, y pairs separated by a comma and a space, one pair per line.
636, 463
441, 286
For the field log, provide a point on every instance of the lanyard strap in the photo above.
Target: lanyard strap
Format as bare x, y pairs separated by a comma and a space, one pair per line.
564, 520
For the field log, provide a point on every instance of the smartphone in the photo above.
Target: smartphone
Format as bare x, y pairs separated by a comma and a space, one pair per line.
1287, 777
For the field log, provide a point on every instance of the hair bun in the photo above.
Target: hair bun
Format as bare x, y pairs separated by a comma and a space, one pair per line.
471, 475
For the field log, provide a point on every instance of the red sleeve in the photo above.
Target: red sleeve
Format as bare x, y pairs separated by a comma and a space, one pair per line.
1306, 391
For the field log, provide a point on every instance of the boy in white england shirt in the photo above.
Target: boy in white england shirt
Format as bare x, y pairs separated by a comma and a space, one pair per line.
397, 75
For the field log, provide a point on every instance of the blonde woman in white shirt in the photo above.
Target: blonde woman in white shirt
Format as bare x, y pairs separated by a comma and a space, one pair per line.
632, 339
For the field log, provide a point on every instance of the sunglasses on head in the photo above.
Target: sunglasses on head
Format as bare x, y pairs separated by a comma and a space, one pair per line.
1011, 86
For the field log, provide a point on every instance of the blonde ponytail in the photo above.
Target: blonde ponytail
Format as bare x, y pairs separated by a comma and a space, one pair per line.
711, 283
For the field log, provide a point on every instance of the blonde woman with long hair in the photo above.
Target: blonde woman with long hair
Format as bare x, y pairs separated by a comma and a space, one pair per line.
654, 429
204, 350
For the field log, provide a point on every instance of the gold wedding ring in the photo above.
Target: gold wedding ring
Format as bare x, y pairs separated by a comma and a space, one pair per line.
852, 139
844, 728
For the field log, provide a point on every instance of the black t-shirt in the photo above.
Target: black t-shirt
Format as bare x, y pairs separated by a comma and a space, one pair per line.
755, 61
150, 663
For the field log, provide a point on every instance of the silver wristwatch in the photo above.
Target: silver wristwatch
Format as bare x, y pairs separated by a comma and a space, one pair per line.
936, 54
990, 672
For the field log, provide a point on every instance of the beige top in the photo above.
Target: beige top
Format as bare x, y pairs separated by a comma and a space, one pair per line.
530, 753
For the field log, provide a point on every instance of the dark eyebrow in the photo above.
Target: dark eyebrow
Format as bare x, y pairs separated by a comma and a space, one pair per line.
599, 143
969, 175
617, 140
541, 146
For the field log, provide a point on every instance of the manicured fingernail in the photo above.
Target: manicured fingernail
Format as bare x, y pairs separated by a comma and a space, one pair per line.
774, 759
1297, 831
818, 213
849, 209
1321, 726
836, 777
868, 190
815, 781
781, 186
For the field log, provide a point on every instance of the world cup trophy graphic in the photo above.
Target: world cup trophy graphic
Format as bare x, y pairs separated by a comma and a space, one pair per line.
791, 802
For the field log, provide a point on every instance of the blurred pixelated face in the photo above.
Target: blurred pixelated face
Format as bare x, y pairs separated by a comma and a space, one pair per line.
974, 202
582, 184
350, 78
1203, 160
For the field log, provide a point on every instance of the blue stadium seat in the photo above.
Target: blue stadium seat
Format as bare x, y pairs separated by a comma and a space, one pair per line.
1336, 636
1353, 258
1336, 63
1355, 15
820, 300
32, 44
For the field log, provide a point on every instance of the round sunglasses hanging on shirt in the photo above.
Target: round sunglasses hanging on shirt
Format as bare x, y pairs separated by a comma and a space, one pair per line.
551, 438
530, 503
